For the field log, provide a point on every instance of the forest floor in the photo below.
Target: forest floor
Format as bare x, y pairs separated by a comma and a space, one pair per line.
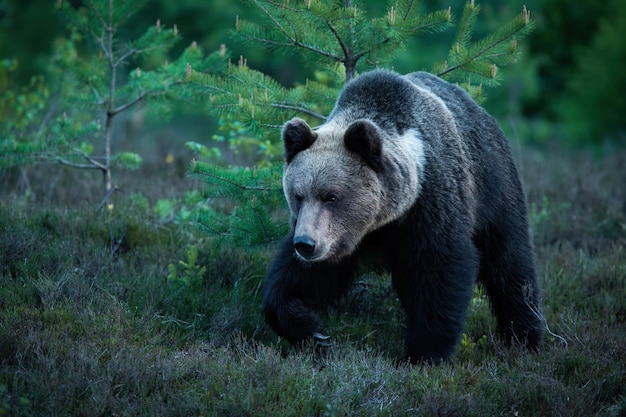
125, 313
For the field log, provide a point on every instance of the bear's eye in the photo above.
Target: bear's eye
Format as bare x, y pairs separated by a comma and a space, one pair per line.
329, 198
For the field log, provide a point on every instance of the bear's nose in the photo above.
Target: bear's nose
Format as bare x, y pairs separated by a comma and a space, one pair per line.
304, 245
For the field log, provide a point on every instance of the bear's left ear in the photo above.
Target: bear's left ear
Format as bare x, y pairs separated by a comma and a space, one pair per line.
363, 138
297, 136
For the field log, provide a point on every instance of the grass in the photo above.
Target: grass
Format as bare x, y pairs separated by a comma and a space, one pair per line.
94, 323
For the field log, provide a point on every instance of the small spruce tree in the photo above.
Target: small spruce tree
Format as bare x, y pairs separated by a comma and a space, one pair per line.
94, 87
336, 39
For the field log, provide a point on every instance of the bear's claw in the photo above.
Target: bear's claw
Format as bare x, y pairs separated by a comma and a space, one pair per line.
321, 340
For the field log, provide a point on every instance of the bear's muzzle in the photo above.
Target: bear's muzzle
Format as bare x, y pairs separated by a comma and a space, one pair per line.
304, 246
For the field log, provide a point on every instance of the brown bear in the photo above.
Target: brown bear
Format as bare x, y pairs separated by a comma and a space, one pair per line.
412, 168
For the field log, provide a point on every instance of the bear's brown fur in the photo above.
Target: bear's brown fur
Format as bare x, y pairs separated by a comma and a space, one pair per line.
409, 166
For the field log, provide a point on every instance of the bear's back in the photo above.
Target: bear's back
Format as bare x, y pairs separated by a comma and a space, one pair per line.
381, 96
394, 103
491, 163
469, 117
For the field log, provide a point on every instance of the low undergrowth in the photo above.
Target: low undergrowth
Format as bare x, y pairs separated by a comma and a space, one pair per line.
117, 313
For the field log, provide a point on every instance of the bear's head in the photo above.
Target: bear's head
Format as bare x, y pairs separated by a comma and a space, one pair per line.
333, 186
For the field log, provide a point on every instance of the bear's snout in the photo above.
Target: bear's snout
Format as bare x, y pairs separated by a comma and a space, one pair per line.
304, 245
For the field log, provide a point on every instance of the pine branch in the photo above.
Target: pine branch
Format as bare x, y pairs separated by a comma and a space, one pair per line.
342, 44
466, 25
240, 180
291, 41
91, 160
92, 7
479, 51
299, 109
76, 165
261, 221
144, 96
127, 55
408, 10
246, 94
106, 197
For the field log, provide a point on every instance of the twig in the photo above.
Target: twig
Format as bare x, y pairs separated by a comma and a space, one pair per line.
147, 94
92, 161
76, 165
293, 39
480, 52
298, 108
106, 197
127, 54
262, 223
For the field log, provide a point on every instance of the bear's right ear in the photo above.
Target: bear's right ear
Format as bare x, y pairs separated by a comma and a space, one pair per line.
297, 136
363, 138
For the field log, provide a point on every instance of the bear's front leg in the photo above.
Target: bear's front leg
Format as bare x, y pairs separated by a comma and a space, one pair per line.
292, 289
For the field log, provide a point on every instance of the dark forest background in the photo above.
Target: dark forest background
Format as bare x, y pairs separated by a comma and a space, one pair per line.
569, 86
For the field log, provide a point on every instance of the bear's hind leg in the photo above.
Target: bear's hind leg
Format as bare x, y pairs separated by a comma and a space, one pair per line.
435, 287
508, 275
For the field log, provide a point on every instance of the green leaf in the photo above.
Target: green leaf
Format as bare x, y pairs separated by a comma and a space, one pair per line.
86, 148
165, 208
129, 160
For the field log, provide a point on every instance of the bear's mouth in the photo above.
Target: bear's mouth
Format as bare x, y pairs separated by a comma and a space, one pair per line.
308, 258
321, 255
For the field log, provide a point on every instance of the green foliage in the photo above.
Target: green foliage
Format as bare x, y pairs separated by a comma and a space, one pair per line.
541, 217
179, 210
594, 107
240, 143
129, 160
244, 203
473, 63
21, 111
330, 32
188, 274
336, 41
257, 101
575, 55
